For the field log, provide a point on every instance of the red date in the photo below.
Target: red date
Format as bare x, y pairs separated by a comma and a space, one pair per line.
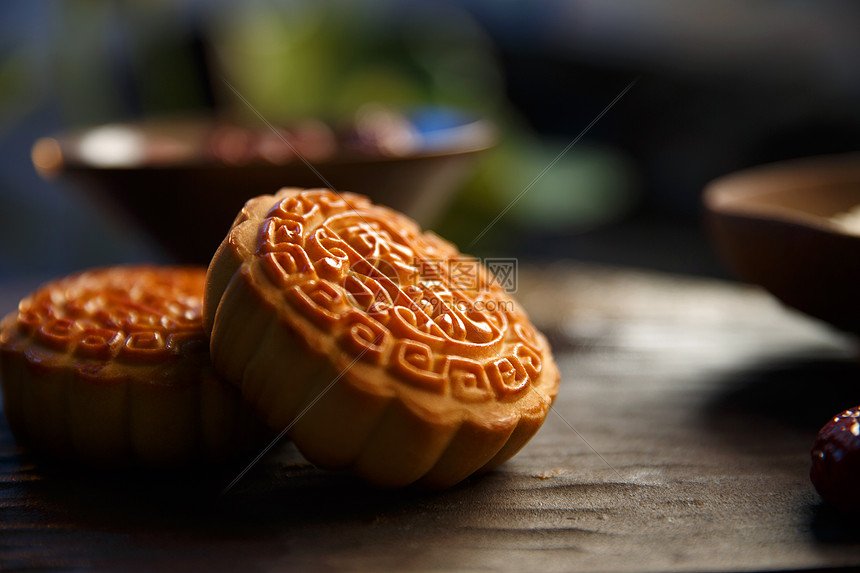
836, 461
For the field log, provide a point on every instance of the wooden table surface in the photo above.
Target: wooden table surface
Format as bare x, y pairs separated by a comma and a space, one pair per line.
680, 441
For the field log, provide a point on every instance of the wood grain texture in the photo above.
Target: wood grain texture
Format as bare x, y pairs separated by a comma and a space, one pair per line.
703, 397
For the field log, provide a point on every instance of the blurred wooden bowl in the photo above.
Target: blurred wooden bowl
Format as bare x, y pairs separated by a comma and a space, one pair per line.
776, 226
187, 201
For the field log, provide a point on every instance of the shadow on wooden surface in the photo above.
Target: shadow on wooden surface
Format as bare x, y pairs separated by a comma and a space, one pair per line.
833, 528
790, 396
801, 393
281, 489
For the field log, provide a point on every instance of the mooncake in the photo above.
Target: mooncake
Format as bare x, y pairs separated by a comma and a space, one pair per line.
111, 368
379, 348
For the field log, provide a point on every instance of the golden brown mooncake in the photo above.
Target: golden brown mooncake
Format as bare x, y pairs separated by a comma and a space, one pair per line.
381, 348
111, 368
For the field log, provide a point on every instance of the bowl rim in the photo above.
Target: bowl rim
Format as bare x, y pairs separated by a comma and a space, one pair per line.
57, 153
733, 194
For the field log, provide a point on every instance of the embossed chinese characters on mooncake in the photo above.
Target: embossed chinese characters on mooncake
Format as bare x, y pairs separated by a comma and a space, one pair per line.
382, 348
111, 367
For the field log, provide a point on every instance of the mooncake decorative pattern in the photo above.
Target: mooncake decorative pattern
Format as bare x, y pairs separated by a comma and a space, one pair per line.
387, 294
111, 367
133, 315
399, 312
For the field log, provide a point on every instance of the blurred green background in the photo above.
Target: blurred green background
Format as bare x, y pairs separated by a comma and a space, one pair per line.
721, 86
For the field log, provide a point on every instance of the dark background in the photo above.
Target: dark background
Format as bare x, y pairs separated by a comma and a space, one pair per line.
719, 86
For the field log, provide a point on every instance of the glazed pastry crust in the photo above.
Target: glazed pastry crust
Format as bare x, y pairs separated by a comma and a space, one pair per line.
110, 368
339, 320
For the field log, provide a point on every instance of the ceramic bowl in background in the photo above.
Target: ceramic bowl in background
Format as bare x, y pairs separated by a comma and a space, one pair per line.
183, 180
794, 228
